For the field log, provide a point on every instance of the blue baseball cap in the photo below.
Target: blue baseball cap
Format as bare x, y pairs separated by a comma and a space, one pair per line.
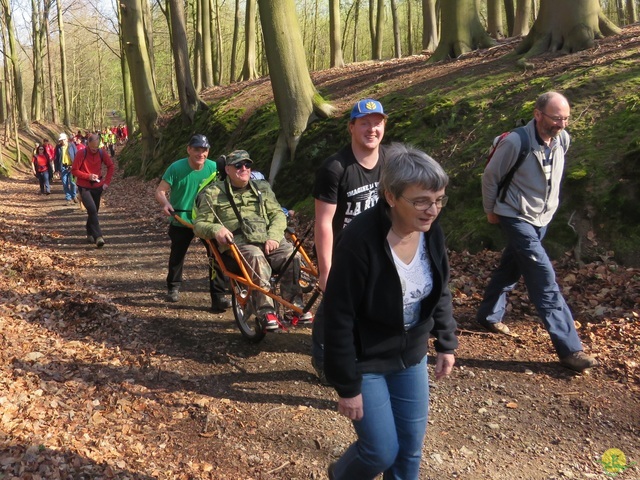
199, 140
367, 107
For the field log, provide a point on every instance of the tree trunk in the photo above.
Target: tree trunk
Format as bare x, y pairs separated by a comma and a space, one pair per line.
429, 26
356, 17
377, 47
197, 47
523, 18
66, 112
249, 69
632, 12
335, 35
234, 43
494, 19
52, 83
294, 94
409, 28
38, 44
510, 15
397, 46
462, 31
372, 28
187, 94
207, 64
218, 52
566, 26
144, 93
127, 89
23, 118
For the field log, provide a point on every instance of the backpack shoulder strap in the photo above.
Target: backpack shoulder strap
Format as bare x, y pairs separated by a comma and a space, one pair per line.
524, 152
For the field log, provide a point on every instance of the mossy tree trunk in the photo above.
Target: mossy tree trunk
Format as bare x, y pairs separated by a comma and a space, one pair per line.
522, 18
566, 26
139, 61
249, 71
295, 96
461, 31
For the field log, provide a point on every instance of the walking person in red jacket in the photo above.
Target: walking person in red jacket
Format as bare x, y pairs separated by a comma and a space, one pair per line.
41, 166
88, 169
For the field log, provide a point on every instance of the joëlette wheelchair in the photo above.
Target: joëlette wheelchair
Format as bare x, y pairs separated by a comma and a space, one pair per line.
242, 286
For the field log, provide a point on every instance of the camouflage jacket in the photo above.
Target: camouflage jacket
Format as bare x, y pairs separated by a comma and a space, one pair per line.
214, 199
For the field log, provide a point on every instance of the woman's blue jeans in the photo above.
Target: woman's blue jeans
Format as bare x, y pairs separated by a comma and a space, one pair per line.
526, 256
391, 432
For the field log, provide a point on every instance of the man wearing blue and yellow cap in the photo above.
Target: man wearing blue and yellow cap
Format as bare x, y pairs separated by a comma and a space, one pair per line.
346, 184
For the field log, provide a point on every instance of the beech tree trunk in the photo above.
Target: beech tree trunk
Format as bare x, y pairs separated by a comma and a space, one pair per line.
462, 31
66, 98
429, 26
632, 12
494, 19
335, 34
139, 61
566, 26
55, 118
397, 46
206, 59
187, 94
294, 94
38, 46
522, 18
234, 43
249, 69
12, 56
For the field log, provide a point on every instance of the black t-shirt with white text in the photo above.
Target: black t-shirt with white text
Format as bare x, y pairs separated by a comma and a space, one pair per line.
343, 182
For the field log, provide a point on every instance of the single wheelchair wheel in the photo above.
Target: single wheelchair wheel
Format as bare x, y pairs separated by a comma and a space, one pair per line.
246, 319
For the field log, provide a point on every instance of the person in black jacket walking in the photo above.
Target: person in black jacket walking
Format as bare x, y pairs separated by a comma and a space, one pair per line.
387, 292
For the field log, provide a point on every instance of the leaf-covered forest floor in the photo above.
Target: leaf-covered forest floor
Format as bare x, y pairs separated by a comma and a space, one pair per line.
100, 378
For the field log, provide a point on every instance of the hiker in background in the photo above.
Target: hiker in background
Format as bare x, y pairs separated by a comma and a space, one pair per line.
41, 166
181, 182
346, 184
386, 294
88, 169
64, 156
531, 200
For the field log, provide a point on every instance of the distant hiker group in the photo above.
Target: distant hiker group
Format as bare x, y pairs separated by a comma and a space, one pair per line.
85, 169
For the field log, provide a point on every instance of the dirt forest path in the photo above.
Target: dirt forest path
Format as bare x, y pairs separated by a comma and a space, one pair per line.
100, 378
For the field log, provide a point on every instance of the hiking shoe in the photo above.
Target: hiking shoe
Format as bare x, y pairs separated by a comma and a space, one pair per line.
90, 239
322, 378
220, 303
172, 296
74, 199
578, 361
498, 327
270, 321
99, 242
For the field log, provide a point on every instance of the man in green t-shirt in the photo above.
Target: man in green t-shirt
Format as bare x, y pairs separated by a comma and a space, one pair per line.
181, 182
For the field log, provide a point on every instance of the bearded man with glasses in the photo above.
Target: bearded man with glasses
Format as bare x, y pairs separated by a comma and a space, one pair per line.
245, 212
531, 200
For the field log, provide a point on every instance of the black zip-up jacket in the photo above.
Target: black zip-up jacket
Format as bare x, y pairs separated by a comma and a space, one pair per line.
364, 329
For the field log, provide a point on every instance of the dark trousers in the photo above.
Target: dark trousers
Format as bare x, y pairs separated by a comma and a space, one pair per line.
181, 238
43, 178
91, 201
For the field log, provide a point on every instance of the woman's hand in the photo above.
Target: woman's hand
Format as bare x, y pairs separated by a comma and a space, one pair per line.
444, 364
351, 407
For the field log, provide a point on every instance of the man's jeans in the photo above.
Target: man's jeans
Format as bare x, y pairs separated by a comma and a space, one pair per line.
525, 255
69, 186
391, 432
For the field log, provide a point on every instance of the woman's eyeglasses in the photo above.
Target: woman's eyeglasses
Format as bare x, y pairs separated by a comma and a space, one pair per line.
423, 205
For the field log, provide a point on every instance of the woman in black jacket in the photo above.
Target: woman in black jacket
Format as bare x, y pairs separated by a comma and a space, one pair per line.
386, 294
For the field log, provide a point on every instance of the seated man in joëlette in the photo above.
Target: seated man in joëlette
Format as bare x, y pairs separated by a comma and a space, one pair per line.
245, 212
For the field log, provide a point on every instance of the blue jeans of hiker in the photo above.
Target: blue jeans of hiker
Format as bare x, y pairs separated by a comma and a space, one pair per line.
43, 178
68, 185
391, 432
525, 255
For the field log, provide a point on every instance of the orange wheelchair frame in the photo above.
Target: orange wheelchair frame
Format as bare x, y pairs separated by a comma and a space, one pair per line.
242, 286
